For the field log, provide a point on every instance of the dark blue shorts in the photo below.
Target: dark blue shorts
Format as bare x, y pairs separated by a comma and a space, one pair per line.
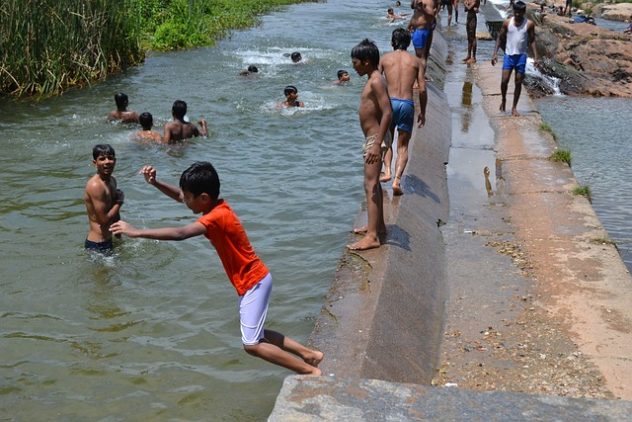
515, 61
420, 37
103, 247
403, 114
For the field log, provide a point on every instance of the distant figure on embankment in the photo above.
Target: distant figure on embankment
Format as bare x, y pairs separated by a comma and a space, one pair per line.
471, 9
517, 35
422, 24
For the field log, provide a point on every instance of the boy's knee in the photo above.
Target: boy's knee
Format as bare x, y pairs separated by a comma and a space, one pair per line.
252, 349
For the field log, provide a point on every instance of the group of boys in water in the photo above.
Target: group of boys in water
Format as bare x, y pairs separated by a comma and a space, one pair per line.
386, 104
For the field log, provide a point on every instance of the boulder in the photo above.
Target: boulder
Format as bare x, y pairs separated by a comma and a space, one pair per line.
616, 12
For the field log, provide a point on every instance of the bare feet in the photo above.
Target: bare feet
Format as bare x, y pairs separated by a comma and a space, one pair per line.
502, 106
367, 242
397, 189
466, 60
314, 358
315, 373
514, 112
471, 61
385, 177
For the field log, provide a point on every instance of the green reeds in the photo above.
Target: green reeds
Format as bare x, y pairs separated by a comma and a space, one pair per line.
47, 46
583, 191
561, 155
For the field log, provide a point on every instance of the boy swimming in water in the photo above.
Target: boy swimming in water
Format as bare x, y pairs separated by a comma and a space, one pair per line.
179, 129
343, 77
102, 199
122, 113
291, 98
375, 119
199, 190
251, 70
146, 120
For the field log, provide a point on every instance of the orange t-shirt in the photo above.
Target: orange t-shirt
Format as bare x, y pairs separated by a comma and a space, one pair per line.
242, 265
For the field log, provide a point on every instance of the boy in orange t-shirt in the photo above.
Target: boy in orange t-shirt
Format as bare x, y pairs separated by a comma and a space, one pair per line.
199, 190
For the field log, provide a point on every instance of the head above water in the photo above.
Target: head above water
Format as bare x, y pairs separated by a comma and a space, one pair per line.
290, 89
102, 149
146, 120
199, 178
400, 40
389, 11
343, 74
366, 50
253, 69
296, 57
179, 109
121, 101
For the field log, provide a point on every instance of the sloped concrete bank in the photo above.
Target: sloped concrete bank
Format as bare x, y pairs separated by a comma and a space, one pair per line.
379, 352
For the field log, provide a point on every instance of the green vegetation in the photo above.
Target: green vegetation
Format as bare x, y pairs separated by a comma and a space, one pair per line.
47, 46
583, 191
544, 127
561, 155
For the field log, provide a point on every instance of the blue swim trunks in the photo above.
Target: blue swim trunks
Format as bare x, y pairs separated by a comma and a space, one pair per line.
103, 247
403, 114
420, 37
515, 61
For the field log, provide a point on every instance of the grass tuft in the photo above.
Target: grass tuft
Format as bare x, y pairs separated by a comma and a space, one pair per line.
583, 191
561, 155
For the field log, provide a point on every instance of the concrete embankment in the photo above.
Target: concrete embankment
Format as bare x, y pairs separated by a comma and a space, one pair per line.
520, 285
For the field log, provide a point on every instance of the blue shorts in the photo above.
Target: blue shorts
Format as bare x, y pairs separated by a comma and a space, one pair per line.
515, 61
403, 114
102, 247
420, 37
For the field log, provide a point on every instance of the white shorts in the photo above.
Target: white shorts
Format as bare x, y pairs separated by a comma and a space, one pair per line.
253, 308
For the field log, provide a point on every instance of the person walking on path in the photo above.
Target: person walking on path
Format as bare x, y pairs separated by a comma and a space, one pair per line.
517, 35
401, 70
471, 9
422, 24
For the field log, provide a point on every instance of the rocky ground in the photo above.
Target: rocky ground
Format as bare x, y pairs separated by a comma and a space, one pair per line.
588, 59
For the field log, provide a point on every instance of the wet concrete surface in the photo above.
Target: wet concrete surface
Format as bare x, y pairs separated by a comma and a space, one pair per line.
520, 266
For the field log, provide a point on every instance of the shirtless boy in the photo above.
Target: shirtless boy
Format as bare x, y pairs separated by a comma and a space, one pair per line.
517, 35
375, 119
343, 77
178, 129
392, 16
103, 200
291, 98
422, 24
401, 70
471, 8
146, 120
121, 113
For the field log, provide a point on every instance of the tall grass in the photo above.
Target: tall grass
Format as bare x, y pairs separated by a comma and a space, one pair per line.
49, 45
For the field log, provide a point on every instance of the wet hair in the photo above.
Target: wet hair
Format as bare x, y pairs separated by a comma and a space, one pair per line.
146, 120
520, 6
252, 68
289, 90
400, 40
179, 109
366, 50
342, 72
398, 3
389, 10
102, 149
199, 178
121, 100
296, 57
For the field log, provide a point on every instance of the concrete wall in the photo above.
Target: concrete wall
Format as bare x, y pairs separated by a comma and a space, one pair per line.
383, 315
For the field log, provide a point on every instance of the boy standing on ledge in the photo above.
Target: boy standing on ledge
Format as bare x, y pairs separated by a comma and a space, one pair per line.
375, 119
199, 190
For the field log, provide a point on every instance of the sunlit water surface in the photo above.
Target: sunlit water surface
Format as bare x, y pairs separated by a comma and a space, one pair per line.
153, 332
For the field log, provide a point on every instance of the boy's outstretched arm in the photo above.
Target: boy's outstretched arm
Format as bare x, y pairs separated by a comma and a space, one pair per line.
167, 233
149, 172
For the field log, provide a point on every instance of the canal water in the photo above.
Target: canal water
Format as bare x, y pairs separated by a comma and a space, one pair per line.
153, 332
